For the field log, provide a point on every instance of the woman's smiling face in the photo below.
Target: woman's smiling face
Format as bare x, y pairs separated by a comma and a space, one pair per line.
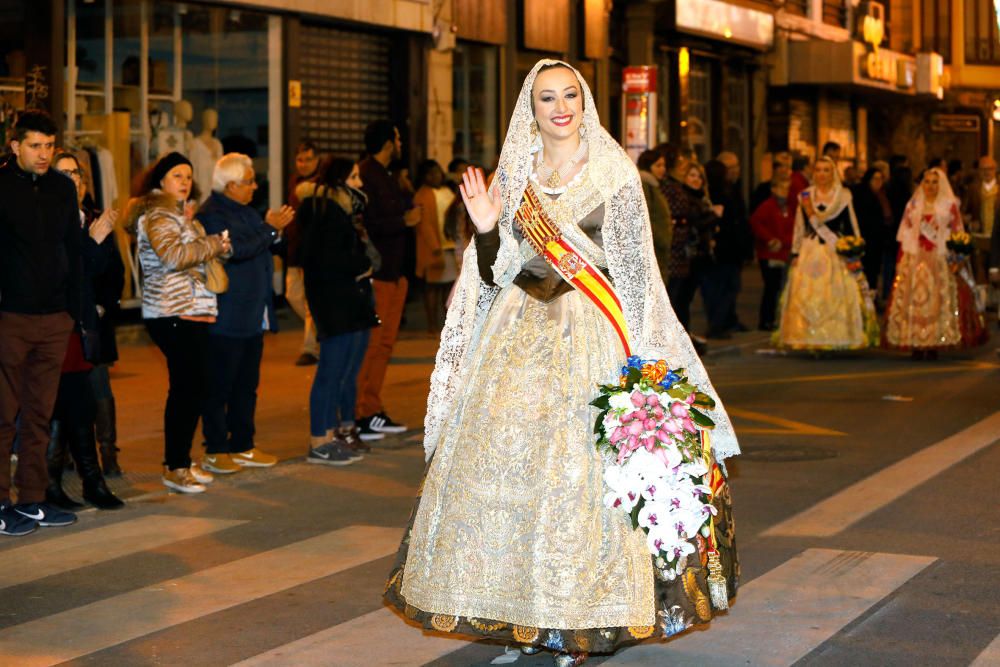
558, 103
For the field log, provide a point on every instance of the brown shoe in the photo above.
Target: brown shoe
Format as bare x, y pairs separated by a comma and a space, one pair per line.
351, 438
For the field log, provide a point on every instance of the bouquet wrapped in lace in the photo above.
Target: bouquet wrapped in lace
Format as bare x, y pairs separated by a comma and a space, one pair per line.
659, 468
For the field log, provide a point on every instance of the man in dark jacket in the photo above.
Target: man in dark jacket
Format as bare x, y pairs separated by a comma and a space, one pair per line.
236, 338
387, 219
722, 281
40, 289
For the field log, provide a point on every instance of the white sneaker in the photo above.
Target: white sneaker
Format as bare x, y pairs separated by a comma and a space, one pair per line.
182, 480
200, 474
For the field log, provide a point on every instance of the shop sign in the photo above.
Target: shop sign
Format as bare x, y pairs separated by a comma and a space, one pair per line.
871, 26
640, 79
723, 20
954, 122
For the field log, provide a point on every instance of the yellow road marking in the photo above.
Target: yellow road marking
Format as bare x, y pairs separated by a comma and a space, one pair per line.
788, 426
975, 365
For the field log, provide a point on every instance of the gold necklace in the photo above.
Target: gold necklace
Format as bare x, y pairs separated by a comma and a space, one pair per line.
553, 178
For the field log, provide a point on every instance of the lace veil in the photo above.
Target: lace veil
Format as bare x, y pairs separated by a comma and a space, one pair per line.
946, 207
628, 243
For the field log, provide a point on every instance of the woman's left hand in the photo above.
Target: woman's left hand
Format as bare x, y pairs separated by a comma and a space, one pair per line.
103, 226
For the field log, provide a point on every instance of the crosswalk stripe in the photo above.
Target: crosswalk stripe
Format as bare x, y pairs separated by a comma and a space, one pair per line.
377, 638
80, 548
784, 614
990, 657
100, 625
857, 501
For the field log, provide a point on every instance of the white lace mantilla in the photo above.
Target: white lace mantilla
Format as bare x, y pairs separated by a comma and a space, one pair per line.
628, 245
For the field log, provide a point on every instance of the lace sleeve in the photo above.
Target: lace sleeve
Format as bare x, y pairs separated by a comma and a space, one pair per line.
653, 326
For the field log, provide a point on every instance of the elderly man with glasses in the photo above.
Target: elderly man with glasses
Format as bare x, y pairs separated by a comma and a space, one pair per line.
236, 338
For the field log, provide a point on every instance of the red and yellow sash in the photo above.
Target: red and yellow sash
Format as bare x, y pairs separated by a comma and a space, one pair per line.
545, 237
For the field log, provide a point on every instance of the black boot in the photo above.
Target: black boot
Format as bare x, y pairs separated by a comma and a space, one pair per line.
95, 490
55, 456
107, 435
109, 460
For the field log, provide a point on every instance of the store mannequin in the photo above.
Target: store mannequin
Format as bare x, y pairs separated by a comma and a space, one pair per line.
177, 137
205, 152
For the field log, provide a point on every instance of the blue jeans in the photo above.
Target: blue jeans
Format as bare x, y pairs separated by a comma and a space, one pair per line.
335, 387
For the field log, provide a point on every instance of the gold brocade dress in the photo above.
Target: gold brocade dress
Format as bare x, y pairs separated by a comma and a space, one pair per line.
510, 538
923, 312
823, 306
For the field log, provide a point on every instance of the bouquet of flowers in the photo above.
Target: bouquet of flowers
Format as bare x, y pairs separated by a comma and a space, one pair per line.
650, 428
852, 249
960, 243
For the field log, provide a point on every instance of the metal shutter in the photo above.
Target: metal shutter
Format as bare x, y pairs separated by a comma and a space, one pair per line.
345, 86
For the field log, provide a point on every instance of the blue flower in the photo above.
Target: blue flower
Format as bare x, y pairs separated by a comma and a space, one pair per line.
634, 361
554, 641
670, 380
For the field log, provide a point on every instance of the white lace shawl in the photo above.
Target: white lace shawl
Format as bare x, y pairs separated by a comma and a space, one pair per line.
628, 243
946, 218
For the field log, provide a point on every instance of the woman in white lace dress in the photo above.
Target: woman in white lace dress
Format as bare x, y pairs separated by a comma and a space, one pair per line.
510, 538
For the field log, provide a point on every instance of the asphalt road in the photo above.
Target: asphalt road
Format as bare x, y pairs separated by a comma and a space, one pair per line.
865, 510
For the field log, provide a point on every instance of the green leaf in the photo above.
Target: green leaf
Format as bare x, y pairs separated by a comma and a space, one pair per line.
603, 402
599, 422
704, 401
634, 376
635, 512
677, 393
701, 419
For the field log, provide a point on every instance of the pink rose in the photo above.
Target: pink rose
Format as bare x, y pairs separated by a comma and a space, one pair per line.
653, 400
649, 424
658, 413
678, 409
638, 400
635, 428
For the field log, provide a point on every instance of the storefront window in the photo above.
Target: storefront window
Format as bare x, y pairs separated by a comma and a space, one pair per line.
475, 103
982, 43
700, 106
225, 74
12, 59
90, 51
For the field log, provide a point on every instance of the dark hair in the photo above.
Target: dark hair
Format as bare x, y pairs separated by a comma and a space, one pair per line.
377, 134
647, 159
830, 146
66, 155
935, 162
158, 170
866, 180
34, 120
715, 174
799, 162
954, 166
672, 154
334, 172
423, 171
454, 164
546, 68
305, 146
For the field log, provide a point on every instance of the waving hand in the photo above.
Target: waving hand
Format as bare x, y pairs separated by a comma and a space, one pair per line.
482, 205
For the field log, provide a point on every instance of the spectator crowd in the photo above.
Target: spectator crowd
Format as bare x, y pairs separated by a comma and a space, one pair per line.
355, 232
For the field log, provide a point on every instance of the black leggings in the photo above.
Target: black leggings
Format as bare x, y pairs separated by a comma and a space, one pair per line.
185, 345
